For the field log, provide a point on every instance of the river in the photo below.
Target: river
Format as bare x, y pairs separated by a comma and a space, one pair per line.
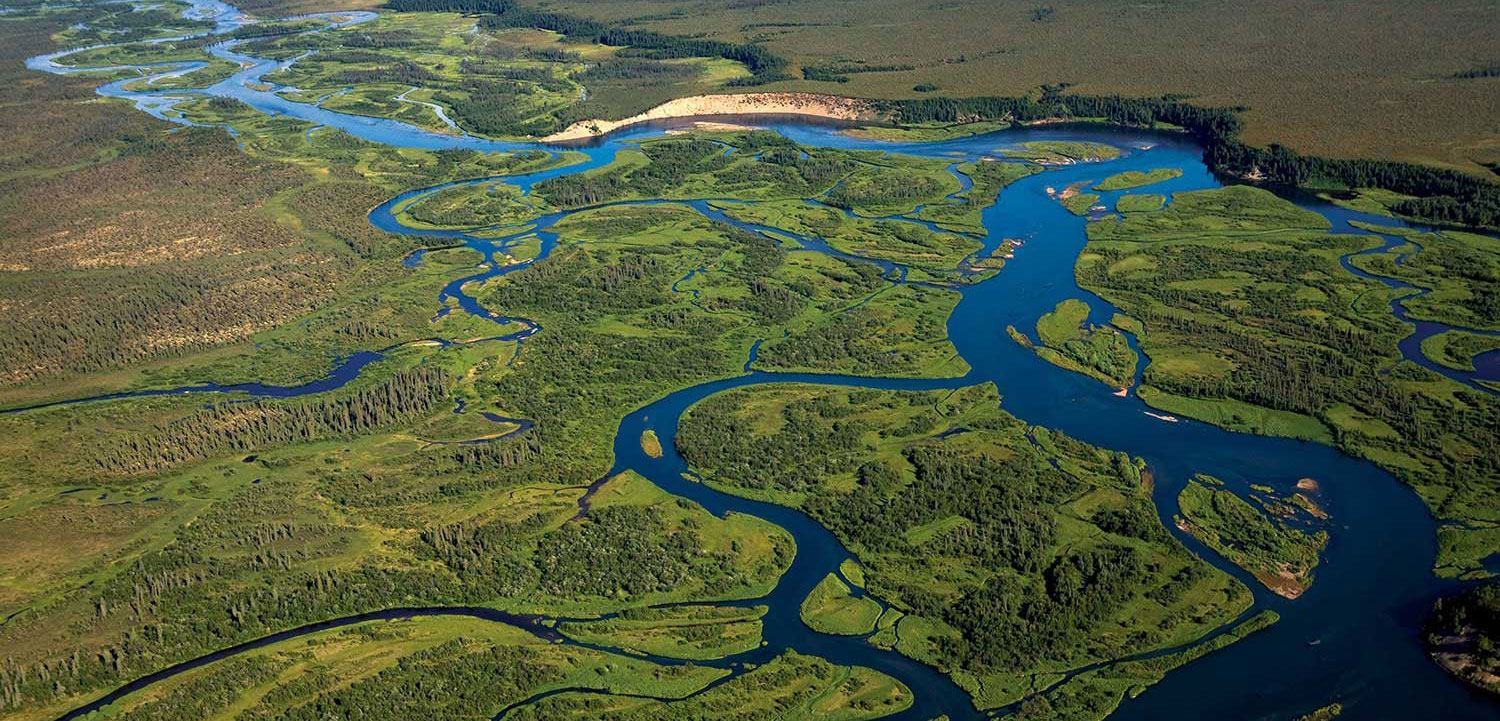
1354, 637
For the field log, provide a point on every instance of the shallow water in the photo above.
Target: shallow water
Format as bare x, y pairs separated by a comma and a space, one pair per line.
1354, 637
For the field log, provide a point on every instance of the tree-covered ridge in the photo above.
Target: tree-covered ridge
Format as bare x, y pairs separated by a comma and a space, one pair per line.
1011, 550
1251, 322
226, 428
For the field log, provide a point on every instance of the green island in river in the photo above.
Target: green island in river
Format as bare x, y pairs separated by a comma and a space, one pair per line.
332, 387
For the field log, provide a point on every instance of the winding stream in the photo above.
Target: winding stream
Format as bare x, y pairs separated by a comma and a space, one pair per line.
1354, 637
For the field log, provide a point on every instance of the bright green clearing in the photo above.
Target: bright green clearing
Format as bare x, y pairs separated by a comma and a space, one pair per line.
831, 608
687, 632
1136, 178
1140, 203
1061, 152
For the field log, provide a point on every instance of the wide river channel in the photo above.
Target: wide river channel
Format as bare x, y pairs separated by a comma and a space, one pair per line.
1354, 637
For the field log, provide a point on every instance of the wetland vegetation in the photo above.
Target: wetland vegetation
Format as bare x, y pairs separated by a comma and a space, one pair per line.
466, 462
253, 490
1010, 550
1250, 322
831, 608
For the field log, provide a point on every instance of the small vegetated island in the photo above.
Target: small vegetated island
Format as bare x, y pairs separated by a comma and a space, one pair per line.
1132, 179
380, 414
1278, 554
1068, 340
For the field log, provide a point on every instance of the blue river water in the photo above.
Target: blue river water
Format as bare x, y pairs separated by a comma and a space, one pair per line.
1354, 637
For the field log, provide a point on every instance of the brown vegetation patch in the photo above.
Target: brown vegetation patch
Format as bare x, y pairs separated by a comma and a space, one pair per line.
35, 552
166, 249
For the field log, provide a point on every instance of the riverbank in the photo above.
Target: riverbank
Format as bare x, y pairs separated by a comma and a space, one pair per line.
833, 107
1458, 632
1458, 654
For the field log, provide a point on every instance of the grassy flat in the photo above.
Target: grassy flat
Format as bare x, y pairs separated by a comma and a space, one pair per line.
1061, 152
1080, 203
790, 686
355, 668
925, 132
1131, 179
688, 632
1238, 415
831, 609
1140, 203
650, 444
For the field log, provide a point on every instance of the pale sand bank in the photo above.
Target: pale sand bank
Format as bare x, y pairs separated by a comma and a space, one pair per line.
822, 106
